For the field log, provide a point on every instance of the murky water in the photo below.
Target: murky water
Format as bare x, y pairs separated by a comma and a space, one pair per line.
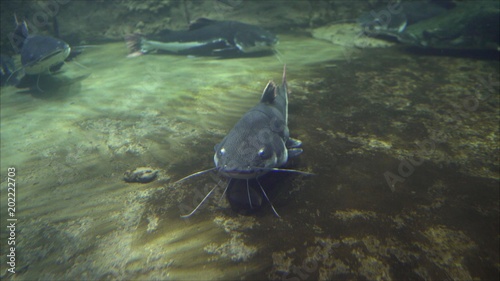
429, 123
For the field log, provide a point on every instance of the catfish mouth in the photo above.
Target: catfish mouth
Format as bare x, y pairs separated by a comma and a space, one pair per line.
53, 54
242, 173
44, 64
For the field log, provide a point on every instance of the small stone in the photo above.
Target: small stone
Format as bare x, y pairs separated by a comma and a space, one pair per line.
140, 174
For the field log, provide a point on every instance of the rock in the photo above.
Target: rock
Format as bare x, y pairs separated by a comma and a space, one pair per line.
140, 174
348, 35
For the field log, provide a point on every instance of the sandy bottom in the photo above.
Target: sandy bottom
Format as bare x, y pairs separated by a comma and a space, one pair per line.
358, 117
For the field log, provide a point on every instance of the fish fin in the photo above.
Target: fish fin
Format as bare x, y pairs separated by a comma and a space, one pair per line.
19, 35
293, 143
200, 23
294, 152
269, 93
133, 42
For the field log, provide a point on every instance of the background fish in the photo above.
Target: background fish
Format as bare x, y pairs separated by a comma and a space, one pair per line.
206, 37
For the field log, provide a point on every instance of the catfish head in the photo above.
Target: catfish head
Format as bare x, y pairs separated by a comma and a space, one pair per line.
258, 142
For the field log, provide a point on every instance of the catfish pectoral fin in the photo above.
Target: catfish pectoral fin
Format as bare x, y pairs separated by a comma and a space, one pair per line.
293, 143
293, 152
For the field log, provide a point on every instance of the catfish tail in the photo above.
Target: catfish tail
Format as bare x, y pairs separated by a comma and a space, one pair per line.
134, 46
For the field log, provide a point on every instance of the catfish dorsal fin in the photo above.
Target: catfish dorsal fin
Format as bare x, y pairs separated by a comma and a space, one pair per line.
284, 83
201, 22
19, 35
269, 93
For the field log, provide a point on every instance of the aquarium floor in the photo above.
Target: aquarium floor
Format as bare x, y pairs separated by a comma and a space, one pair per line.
428, 123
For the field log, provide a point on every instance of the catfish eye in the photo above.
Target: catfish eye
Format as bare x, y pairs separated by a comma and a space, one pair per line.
222, 151
265, 153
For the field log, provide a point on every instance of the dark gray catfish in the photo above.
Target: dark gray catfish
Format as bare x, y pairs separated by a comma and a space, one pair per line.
40, 54
206, 37
259, 142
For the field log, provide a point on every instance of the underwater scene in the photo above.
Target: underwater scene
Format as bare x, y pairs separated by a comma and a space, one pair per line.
250, 140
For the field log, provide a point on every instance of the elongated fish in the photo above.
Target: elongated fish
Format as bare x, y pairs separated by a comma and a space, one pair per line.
206, 37
258, 143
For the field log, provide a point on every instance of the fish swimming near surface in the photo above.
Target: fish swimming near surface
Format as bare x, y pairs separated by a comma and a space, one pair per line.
206, 37
258, 143
40, 54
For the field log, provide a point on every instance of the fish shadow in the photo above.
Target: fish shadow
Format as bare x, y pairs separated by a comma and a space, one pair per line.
51, 86
248, 199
